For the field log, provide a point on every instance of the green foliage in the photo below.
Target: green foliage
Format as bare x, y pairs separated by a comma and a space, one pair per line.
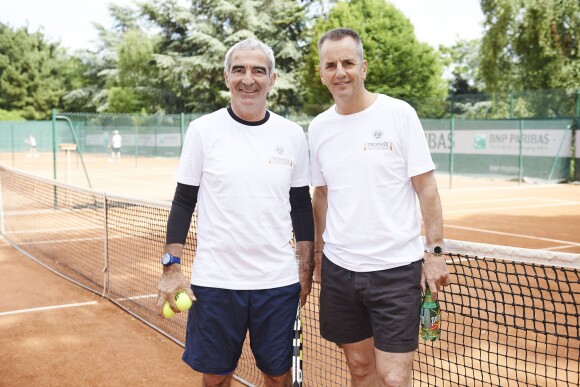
13, 115
134, 54
462, 61
32, 72
179, 66
123, 100
531, 44
399, 65
99, 71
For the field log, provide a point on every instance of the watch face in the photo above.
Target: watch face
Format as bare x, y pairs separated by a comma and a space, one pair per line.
165, 259
437, 250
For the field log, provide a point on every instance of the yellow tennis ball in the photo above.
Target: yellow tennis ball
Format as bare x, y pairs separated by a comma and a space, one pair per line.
182, 300
167, 311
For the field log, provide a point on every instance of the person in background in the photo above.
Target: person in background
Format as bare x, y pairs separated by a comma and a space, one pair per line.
369, 161
116, 142
247, 171
31, 141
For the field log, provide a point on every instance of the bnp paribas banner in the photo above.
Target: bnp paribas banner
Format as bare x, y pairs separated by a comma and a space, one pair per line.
537, 149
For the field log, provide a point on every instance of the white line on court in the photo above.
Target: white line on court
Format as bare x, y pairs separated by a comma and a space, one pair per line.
38, 231
518, 187
48, 308
513, 235
137, 297
461, 202
54, 241
487, 209
72, 240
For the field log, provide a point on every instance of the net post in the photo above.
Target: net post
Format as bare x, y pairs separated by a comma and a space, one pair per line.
106, 246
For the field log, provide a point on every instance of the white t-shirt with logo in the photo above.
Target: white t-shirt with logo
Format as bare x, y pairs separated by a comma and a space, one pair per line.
244, 174
366, 160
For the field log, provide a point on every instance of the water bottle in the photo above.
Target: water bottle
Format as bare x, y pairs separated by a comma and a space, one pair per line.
430, 318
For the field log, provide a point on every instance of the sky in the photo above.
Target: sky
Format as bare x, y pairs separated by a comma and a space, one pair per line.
71, 21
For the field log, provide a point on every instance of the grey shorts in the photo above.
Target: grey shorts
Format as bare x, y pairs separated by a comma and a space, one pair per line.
382, 304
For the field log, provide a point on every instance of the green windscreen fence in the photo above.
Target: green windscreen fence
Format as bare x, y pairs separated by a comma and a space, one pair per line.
14, 136
514, 149
538, 149
142, 135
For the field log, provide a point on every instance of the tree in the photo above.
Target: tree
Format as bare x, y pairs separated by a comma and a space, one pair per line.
530, 44
118, 70
31, 72
399, 65
11, 115
86, 83
462, 61
194, 40
168, 57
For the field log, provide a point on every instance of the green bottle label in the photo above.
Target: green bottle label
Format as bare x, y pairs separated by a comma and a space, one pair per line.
430, 318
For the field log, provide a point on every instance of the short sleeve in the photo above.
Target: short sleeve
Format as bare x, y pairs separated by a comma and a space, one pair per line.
416, 149
190, 167
317, 178
301, 171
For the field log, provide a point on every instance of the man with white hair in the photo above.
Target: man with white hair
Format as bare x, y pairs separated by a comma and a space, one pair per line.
247, 170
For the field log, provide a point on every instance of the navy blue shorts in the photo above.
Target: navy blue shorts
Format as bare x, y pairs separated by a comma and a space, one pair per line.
381, 304
218, 321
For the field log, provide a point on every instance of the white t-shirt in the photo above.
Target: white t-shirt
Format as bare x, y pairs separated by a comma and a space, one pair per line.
245, 173
366, 160
116, 141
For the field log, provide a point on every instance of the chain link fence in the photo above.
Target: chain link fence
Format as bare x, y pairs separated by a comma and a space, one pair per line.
557, 103
545, 149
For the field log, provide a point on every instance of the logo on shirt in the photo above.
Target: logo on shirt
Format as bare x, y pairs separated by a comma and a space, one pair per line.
376, 144
278, 157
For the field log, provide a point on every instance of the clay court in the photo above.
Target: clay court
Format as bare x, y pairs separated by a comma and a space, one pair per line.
56, 333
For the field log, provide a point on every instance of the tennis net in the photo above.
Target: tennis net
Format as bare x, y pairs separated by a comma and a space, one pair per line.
510, 318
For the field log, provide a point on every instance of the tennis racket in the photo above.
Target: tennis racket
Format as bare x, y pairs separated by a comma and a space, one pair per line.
297, 351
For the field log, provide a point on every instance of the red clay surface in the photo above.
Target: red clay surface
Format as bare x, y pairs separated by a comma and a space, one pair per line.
95, 344
101, 345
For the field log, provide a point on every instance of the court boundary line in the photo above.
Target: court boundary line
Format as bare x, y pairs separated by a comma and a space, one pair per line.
571, 203
502, 188
569, 243
43, 308
527, 198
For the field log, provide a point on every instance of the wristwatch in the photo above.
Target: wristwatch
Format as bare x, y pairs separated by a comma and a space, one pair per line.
436, 250
169, 259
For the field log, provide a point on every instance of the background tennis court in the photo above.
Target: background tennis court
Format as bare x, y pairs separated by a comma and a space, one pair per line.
485, 210
498, 212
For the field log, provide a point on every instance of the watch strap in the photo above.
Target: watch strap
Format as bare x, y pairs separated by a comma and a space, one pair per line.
436, 250
169, 259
